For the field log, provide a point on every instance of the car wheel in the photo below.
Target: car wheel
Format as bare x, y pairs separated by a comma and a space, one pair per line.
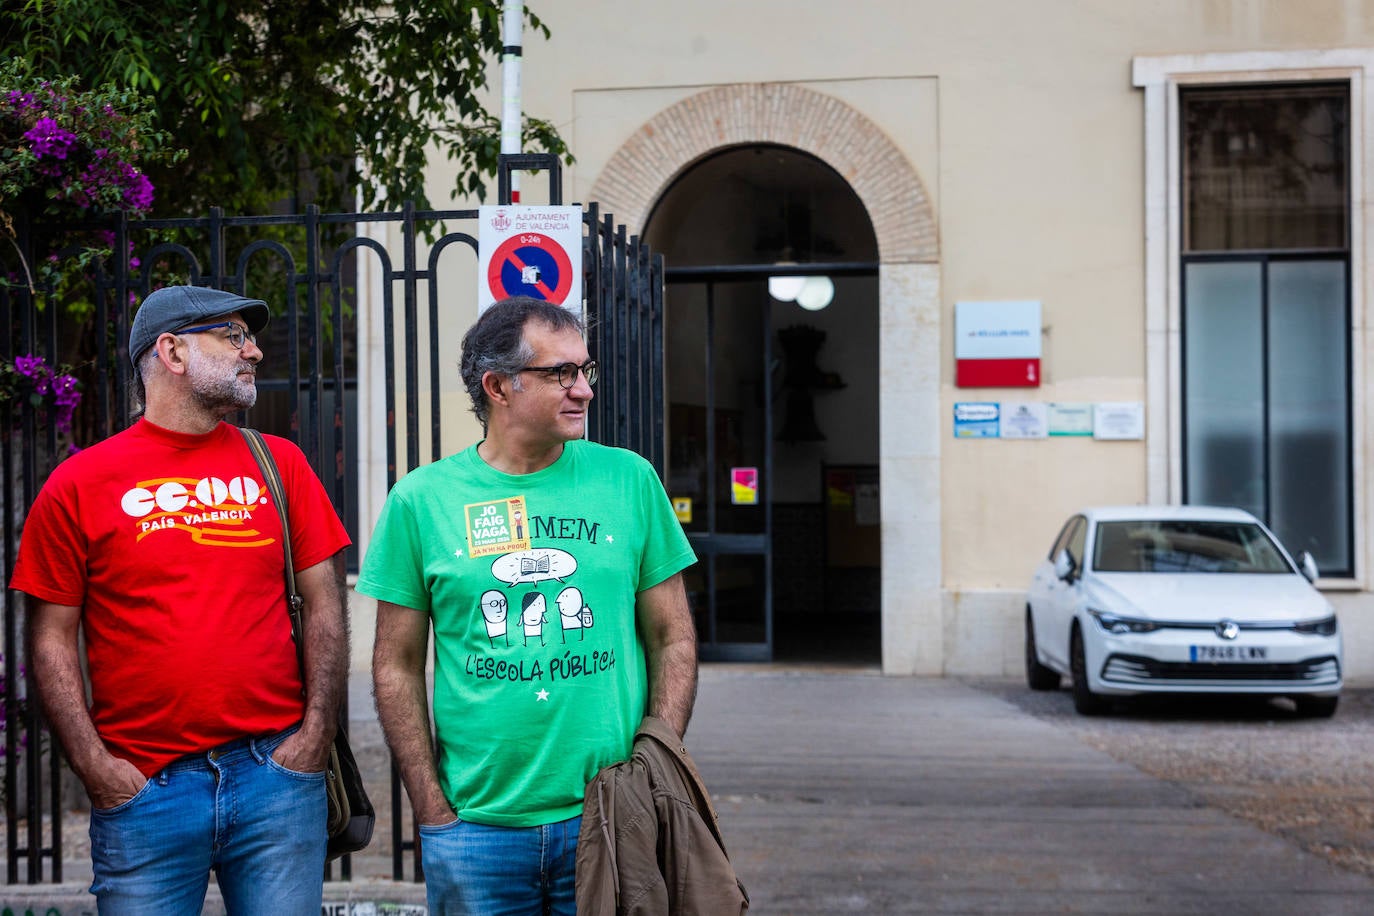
1084, 700
1316, 707
1038, 676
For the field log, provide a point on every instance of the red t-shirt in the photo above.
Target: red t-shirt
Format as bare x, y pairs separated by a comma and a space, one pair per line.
172, 548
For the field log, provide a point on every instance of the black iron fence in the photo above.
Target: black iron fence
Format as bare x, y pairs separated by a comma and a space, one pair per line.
320, 272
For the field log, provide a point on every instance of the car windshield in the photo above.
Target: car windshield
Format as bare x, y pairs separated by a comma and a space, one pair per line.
1185, 547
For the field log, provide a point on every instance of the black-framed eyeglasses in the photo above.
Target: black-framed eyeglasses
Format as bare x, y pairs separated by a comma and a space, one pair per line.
238, 334
567, 372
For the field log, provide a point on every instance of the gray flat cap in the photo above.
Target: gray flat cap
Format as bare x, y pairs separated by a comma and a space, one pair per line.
175, 307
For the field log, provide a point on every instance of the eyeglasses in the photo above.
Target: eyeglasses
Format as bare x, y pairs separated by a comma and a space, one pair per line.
238, 334
567, 373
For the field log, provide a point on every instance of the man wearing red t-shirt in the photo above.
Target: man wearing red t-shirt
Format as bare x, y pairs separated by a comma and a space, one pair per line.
203, 747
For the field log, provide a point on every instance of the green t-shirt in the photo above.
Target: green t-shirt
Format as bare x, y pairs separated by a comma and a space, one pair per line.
530, 580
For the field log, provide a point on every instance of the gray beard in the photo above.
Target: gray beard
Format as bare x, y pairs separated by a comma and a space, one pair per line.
227, 395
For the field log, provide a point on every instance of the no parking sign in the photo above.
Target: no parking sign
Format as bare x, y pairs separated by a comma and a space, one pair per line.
530, 251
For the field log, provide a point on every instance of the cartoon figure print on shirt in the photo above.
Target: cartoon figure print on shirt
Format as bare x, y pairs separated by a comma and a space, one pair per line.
215, 512
495, 609
533, 613
572, 612
528, 568
517, 613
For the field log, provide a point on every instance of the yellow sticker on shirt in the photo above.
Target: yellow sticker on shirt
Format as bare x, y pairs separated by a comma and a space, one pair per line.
497, 527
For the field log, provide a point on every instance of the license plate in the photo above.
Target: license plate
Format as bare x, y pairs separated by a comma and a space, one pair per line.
1228, 653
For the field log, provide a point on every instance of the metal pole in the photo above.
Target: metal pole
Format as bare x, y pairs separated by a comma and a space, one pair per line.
512, 32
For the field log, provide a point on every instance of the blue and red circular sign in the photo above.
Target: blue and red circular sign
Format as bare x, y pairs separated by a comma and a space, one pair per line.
530, 264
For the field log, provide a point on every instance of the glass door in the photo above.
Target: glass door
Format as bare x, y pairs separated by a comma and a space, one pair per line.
719, 361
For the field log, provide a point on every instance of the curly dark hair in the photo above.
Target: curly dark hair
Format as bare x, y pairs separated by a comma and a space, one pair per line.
496, 343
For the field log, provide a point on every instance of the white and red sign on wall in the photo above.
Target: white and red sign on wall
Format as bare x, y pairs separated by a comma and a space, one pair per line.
997, 344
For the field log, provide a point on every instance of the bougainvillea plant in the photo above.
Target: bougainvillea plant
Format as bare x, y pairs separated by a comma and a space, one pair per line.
54, 391
67, 154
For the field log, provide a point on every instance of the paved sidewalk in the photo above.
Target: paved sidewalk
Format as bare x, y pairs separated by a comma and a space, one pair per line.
854, 793
841, 791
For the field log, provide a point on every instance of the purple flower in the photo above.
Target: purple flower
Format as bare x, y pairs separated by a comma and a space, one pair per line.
64, 388
138, 195
63, 420
30, 366
65, 392
48, 138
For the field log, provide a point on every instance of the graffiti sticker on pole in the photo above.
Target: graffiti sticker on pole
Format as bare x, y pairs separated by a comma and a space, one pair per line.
530, 251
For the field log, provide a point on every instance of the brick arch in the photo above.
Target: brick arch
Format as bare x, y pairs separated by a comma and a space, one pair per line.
827, 128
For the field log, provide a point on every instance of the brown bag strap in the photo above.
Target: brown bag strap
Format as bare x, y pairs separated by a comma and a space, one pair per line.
340, 807
272, 477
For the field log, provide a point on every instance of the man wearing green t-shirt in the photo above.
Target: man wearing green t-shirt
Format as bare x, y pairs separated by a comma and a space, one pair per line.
489, 547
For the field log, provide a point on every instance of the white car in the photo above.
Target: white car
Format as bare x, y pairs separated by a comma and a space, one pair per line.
1179, 599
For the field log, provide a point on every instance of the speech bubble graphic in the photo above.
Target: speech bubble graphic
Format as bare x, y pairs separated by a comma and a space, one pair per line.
529, 566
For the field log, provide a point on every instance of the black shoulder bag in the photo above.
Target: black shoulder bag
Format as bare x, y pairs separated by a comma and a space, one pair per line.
351, 815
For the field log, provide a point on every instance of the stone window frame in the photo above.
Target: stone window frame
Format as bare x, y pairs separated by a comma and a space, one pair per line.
1161, 77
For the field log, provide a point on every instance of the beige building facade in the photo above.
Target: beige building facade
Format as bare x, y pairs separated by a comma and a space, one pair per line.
976, 152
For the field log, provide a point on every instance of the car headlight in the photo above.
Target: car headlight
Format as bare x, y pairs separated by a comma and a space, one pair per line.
1324, 627
1115, 623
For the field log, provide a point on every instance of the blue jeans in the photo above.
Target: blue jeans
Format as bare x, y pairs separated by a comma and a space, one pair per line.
477, 870
235, 810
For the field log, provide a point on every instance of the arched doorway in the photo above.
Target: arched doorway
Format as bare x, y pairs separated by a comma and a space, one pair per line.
772, 395
911, 422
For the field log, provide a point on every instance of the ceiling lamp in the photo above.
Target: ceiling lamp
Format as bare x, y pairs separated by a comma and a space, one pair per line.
816, 293
811, 293
785, 289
